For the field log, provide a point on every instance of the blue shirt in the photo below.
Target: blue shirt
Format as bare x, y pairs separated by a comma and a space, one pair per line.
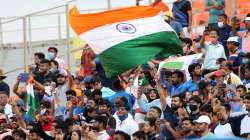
27, 119
191, 86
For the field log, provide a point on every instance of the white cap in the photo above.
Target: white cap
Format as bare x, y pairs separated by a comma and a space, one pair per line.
233, 39
247, 19
203, 119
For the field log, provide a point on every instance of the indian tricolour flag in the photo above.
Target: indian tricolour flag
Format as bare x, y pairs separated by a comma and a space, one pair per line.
31, 100
125, 38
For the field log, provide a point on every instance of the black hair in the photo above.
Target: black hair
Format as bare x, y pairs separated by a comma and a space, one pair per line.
206, 108
179, 96
46, 104
105, 102
96, 92
192, 67
247, 97
102, 119
216, 30
45, 61
248, 15
227, 106
53, 48
116, 85
152, 121
55, 62
157, 108
78, 133
139, 135
220, 60
123, 134
187, 41
8, 137
34, 131
187, 119
223, 15
242, 86
71, 92
40, 55
203, 84
179, 74
196, 98
19, 132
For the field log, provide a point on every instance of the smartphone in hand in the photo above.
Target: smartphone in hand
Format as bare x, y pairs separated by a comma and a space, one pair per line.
24, 77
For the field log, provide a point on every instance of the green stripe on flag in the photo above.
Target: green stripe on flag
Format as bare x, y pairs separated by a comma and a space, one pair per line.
129, 54
173, 65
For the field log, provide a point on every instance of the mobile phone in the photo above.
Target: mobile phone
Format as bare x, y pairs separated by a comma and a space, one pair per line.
24, 77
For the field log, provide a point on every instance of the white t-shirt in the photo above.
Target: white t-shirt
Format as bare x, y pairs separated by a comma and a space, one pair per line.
222, 131
245, 125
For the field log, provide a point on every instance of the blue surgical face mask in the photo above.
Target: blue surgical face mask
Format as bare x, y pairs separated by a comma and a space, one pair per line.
245, 61
51, 55
124, 117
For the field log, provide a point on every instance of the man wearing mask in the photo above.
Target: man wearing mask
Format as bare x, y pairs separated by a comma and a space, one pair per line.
213, 51
215, 8
182, 11
224, 31
99, 125
53, 55
224, 128
194, 106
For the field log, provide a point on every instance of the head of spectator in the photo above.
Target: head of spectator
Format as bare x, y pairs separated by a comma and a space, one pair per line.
154, 112
139, 135
45, 116
4, 94
61, 78
235, 23
104, 106
152, 94
100, 123
187, 126
44, 66
241, 90
19, 134
202, 125
120, 135
14, 122
233, 44
89, 82
247, 22
8, 137
38, 57
177, 78
214, 36
97, 95
54, 66
176, 102
247, 72
195, 70
34, 135
150, 127
116, 85
224, 113
222, 20
91, 105
52, 53
194, 104
186, 45
122, 111
75, 135
71, 96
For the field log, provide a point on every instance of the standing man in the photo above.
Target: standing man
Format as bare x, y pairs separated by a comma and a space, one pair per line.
4, 95
215, 8
182, 11
53, 55
213, 51
245, 127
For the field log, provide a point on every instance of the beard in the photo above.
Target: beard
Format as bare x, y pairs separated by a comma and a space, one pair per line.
174, 107
89, 109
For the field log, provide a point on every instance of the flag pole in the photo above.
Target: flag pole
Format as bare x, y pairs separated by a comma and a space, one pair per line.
68, 35
24, 44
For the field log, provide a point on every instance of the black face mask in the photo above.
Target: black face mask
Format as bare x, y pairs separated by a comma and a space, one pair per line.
193, 107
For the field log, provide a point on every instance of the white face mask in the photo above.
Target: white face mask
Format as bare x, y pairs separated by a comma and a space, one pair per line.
220, 24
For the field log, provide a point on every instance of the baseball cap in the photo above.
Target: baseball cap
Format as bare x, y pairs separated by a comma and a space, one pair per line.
247, 19
233, 39
203, 119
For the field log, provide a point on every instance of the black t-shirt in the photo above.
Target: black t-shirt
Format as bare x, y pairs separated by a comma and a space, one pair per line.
41, 78
184, 6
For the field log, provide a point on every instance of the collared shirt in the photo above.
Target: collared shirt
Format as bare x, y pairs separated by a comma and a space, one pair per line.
103, 135
212, 53
129, 125
107, 92
191, 85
